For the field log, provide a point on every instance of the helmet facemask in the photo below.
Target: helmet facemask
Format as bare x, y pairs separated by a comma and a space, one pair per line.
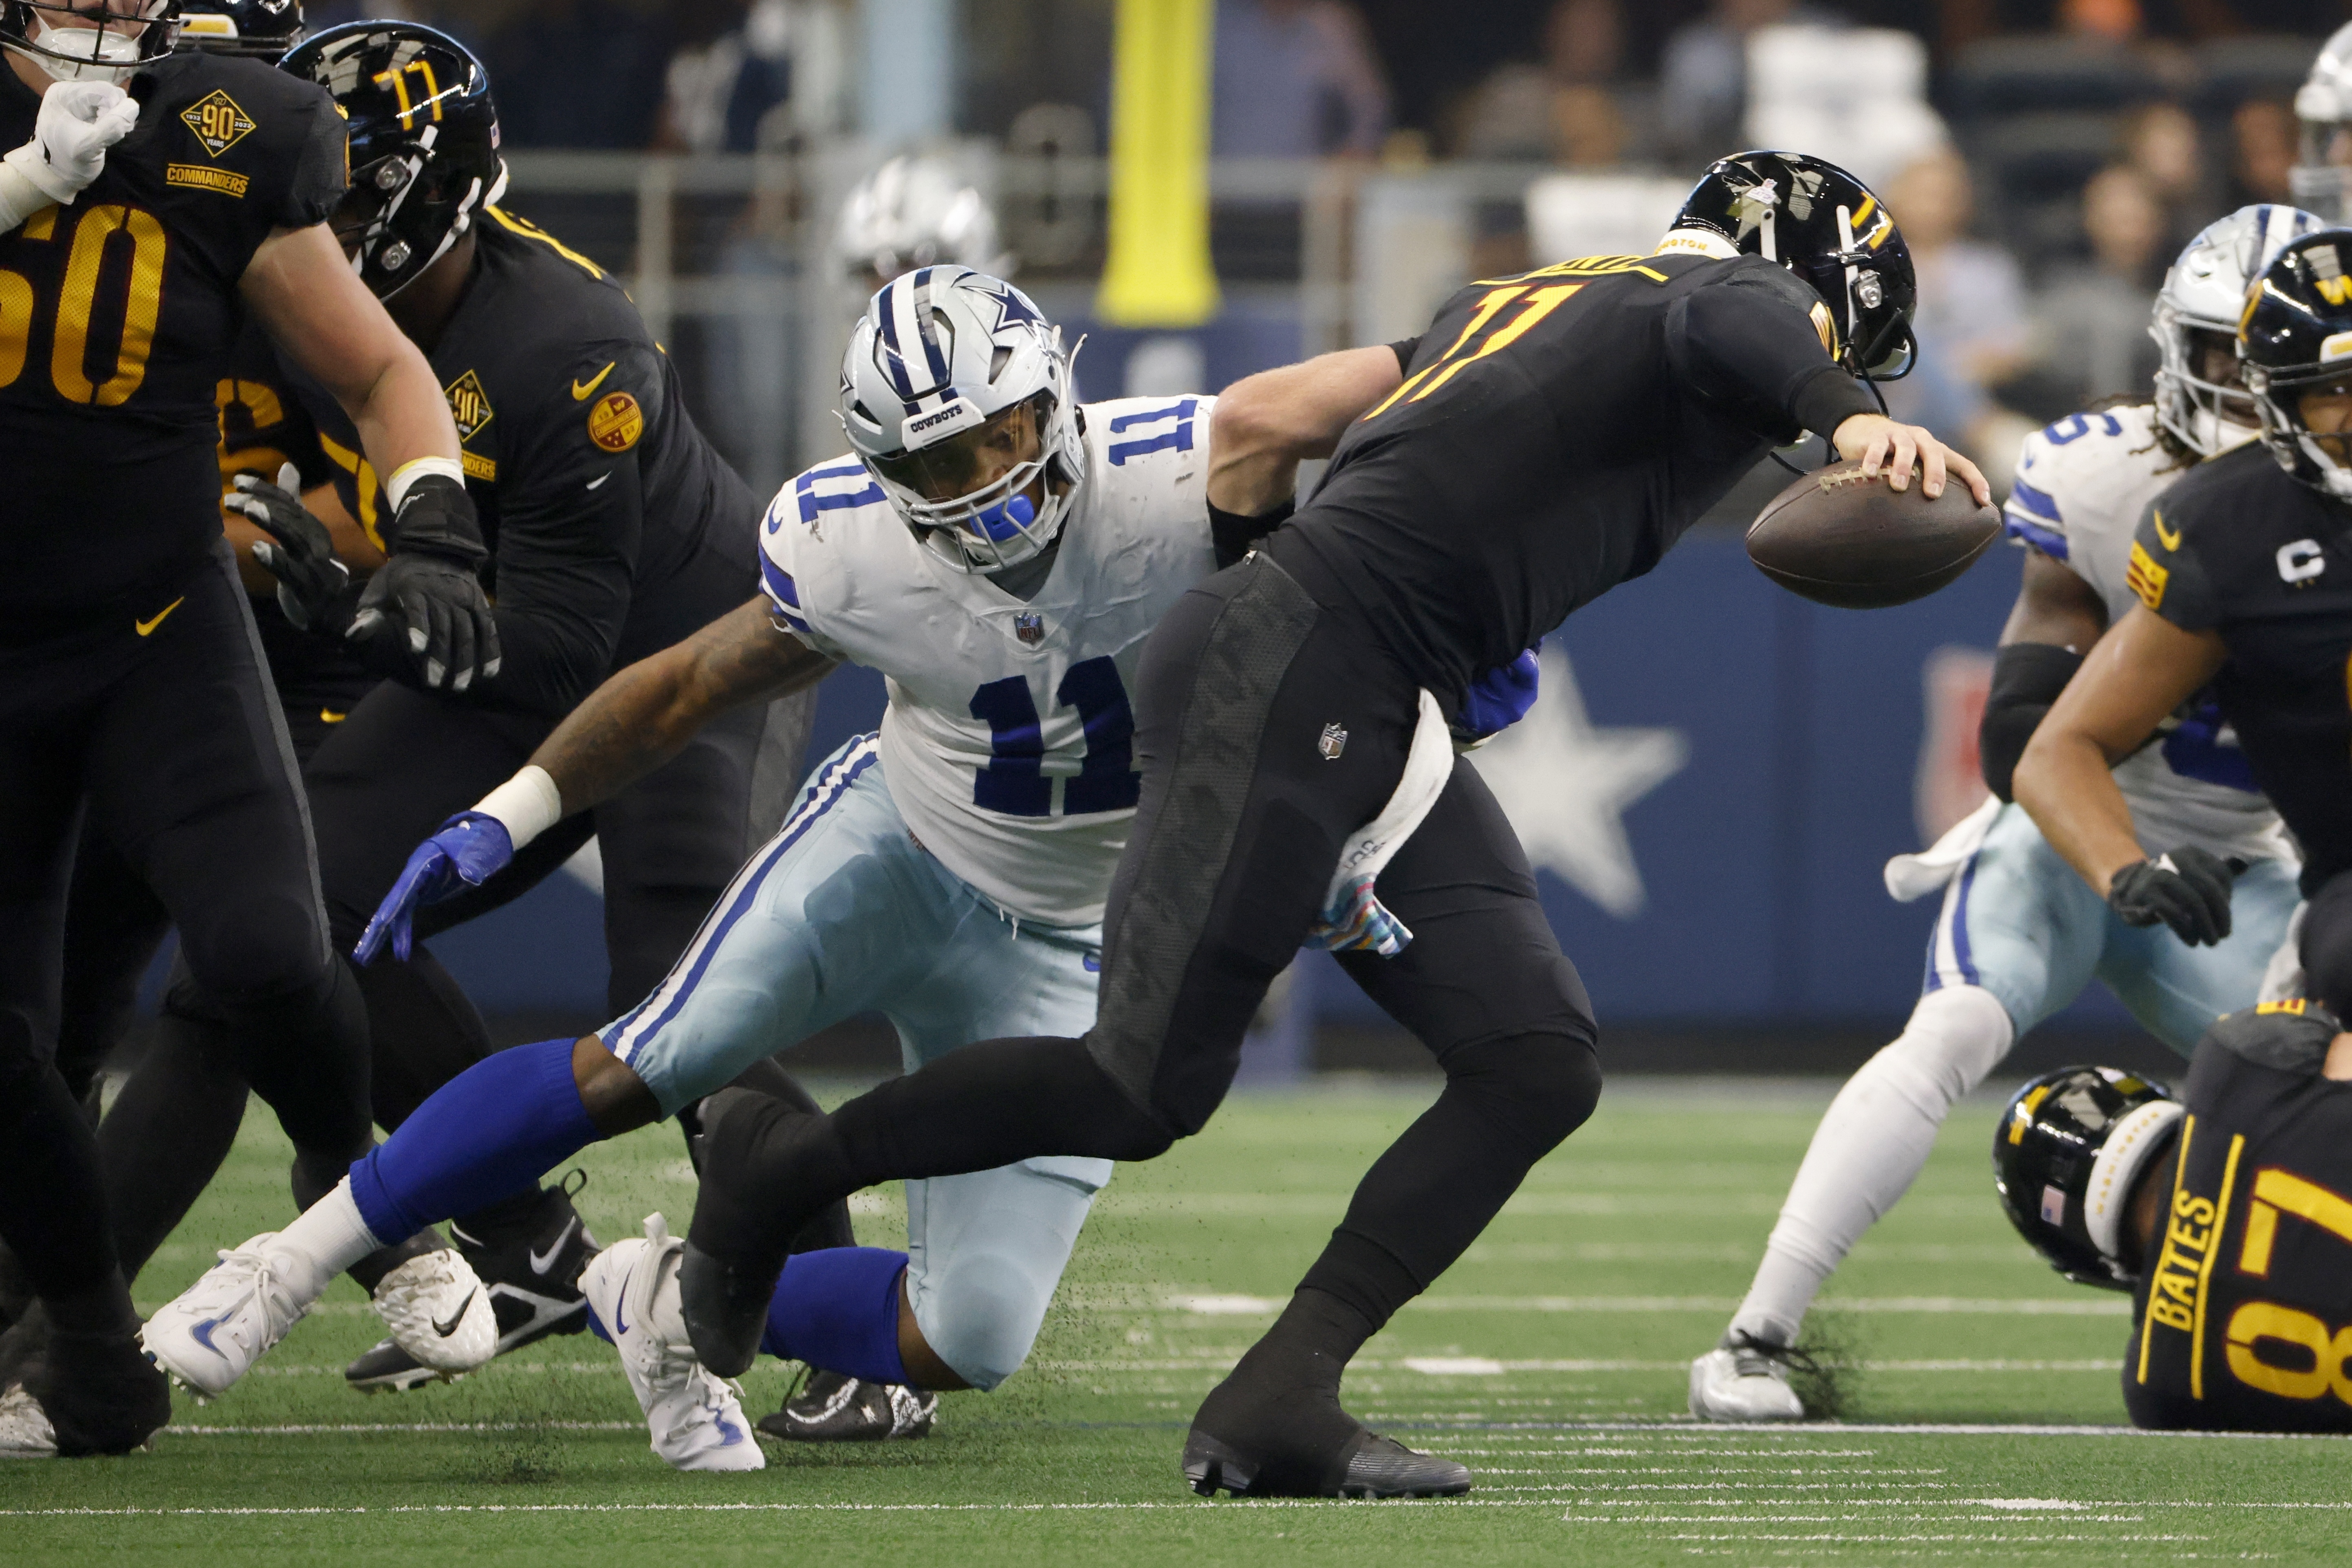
106, 41
997, 523
2322, 460
2205, 414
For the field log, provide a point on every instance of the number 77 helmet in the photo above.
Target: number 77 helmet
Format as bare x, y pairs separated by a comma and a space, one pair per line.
423, 142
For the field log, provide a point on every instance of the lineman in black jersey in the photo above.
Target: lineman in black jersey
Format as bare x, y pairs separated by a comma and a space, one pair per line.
2227, 1214
615, 530
2244, 569
140, 228
1551, 437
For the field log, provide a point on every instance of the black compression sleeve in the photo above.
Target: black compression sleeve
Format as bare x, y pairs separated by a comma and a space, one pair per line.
1405, 349
1235, 535
1747, 340
2027, 678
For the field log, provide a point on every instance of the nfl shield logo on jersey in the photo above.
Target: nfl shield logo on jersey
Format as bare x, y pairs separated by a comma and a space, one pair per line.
1030, 629
1334, 742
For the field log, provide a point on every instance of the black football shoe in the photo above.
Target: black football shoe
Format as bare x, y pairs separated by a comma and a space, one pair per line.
832, 1408
1300, 1442
531, 1260
96, 1393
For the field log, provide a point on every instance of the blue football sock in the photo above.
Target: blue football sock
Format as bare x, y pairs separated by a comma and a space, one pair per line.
838, 1310
485, 1134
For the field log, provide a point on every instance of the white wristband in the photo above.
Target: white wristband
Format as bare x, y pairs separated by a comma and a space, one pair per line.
19, 198
527, 804
415, 468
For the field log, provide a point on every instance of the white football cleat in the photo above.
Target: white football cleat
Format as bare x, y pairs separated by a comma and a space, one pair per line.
696, 1418
439, 1313
24, 1429
1740, 1383
208, 1335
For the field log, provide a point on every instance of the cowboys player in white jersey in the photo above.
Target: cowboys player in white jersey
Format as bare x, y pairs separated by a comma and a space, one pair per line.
1000, 555
2021, 933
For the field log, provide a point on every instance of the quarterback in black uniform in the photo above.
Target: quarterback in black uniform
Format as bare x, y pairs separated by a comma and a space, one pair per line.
137, 229
2245, 572
2227, 1214
614, 530
1549, 437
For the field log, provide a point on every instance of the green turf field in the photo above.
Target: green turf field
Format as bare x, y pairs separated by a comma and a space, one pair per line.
1982, 1423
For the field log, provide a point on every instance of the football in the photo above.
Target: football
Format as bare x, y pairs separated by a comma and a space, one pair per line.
1840, 539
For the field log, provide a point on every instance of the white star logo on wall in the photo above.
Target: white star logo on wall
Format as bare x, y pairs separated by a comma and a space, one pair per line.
1566, 784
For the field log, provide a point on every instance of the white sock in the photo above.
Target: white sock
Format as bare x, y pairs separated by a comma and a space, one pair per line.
1869, 1149
328, 1238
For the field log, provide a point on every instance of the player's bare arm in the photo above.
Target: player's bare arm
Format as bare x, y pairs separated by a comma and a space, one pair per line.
2054, 607
2135, 676
316, 311
645, 715
1267, 424
1893, 450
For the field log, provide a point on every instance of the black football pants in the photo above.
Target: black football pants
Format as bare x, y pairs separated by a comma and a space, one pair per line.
1269, 728
159, 716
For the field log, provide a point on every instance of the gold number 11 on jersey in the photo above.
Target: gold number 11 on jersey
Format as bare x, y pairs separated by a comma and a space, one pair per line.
77, 298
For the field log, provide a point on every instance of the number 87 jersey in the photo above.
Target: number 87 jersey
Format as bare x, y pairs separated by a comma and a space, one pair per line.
1008, 741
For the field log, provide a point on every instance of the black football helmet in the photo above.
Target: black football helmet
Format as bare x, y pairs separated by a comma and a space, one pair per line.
257, 29
1824, 226
423, 142
2295, 337
60, 38
2065, 1156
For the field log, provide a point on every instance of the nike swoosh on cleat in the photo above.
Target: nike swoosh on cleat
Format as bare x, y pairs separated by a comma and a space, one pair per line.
621, 1304
542, 1262
203, 1335
456, 1317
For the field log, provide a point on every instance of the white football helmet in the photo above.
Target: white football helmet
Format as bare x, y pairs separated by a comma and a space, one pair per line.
2205, 293
2322, 176
941, 355
916, 212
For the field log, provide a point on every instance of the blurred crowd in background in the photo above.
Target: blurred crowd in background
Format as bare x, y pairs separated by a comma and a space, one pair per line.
2045, 160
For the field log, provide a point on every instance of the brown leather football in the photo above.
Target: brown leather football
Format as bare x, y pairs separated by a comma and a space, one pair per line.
1840, 539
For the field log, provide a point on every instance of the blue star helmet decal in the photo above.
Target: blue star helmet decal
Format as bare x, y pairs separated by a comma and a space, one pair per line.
1011, 307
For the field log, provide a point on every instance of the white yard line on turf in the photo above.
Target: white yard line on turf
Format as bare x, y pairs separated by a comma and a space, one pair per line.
1228, 1506
1212, 1306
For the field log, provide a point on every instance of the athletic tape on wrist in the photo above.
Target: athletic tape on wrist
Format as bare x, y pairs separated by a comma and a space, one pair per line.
395, 489
20, 198
527, 804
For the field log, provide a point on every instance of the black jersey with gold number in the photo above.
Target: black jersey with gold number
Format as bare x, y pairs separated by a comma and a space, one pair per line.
2245, 1308
2240, 548
118, 314
614, 530
1555, 436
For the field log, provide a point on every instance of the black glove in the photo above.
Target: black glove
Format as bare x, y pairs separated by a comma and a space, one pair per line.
2187, 889
429, 584
311, 581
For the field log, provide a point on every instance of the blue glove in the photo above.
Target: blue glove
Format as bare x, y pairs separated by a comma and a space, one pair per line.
1499, 697
470, 848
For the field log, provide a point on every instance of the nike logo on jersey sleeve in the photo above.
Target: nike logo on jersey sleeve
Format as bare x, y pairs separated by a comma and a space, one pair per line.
2167, 537
584, 390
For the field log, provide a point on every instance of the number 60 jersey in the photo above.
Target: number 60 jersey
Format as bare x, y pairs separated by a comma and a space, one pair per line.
118, 312
1008, 741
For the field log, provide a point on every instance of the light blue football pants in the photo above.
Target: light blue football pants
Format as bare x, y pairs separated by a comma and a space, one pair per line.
2021, 923
842, 913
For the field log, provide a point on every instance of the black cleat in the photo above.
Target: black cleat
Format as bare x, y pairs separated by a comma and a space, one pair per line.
531, 1265
725, 1308
832, 1408
1368, 1466
100, 1392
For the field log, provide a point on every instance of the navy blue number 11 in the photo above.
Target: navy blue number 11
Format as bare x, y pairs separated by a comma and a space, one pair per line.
1014, 783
